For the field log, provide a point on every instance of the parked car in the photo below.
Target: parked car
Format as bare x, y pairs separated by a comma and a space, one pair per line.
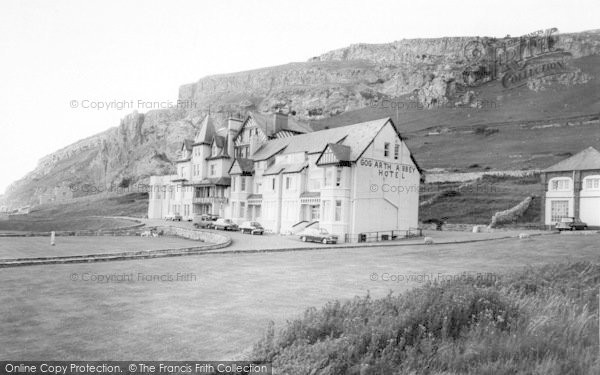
209, 217
173, 217
225, 224
317, 235
252, 227
570, 223
201, 223
205, 221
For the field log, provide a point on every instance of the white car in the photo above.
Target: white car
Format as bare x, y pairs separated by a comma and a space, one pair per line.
173, 217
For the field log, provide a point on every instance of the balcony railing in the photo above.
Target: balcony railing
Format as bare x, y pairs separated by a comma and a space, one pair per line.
310, 200
210, 200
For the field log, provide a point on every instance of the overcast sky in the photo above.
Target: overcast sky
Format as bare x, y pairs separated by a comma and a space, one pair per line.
54, 52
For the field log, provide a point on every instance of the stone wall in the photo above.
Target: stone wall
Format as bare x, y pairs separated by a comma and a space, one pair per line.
196, 235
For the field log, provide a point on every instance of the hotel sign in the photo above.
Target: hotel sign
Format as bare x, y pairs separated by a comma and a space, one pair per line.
387, 169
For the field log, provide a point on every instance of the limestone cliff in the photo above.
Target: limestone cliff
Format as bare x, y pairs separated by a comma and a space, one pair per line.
425, 70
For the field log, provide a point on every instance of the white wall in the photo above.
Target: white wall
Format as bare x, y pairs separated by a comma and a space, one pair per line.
589, 207
386, 190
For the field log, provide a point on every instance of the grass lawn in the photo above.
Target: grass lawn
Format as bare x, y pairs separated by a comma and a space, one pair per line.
31, 247
224, 309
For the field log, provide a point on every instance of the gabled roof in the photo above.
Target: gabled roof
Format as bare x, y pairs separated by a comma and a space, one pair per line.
339, 151
187, 144
219, 141
206, 133
245, 165
357, 137
267, 124
584, 160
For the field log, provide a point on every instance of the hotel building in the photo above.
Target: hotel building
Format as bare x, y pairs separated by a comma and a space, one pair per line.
571, 188
350, 180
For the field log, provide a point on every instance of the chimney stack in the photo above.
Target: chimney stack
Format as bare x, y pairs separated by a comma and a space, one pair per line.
280, 121
233, 126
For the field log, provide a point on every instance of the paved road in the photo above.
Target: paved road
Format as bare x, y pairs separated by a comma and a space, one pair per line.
245, 242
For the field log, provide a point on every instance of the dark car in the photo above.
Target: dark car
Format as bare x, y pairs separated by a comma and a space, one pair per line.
570, 223
204, 221
252, 227
225, 224
317, 235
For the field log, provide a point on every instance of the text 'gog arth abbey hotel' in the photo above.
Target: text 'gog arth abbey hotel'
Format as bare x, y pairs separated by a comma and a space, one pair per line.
352, 179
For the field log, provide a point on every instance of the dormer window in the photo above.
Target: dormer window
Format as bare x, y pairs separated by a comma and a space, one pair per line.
560, 184
214, 149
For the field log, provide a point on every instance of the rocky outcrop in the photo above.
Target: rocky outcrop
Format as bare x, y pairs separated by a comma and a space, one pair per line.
427, 71
431, 71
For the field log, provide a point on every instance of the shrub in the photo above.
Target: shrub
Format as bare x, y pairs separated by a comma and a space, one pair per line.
538, 321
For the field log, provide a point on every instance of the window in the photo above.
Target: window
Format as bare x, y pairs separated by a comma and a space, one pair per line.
214, 149
212, 170
171, 192
591, 183
314, 212
338, 177
560, 184
386, 149
288, 183
233, 180
326, 210
243, 183
558, 210
242, 209
328, 176
396, 151
257, 187
273, 183
338, 210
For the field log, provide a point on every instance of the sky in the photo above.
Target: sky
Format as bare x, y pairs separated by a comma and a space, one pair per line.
59, 58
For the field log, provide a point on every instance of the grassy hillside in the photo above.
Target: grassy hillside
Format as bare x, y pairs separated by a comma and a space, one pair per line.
81, 214
476, 202
538, 321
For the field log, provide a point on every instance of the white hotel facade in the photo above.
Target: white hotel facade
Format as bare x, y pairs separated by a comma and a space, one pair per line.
350, 180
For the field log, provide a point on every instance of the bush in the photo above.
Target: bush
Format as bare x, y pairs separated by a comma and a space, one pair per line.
536, 321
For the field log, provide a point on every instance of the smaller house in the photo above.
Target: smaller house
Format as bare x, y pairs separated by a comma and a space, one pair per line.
571, 188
